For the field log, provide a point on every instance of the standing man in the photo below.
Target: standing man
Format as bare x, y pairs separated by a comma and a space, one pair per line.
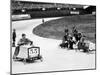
14, 37
43, 20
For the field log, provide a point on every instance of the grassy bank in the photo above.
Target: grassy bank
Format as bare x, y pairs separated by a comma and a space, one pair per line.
55, 28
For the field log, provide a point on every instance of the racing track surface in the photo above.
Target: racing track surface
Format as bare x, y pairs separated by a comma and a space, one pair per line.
54, 58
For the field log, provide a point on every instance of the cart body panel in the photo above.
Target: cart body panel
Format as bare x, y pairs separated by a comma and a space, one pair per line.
29, 53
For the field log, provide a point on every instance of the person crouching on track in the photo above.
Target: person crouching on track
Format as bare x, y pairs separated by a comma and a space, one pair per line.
22, 41
64, 43
83, 45
76, 34
79, 36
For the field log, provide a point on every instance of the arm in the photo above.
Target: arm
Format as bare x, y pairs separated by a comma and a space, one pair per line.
20, 42
29, 41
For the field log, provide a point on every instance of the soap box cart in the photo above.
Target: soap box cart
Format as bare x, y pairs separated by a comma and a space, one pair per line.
29, 54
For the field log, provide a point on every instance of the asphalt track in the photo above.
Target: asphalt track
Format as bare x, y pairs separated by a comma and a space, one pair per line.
54, 58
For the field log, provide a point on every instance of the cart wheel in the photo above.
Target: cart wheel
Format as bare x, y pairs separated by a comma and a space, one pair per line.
33, 59
41, 59
24, 60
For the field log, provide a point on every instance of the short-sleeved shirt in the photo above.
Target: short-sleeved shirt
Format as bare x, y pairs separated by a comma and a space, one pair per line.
24, 41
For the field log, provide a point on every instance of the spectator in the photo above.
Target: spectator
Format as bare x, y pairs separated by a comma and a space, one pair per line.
14, 37
65, 39
75, 34
42, 20
83, 45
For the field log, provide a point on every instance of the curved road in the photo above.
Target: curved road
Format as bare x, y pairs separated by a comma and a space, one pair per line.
54, 58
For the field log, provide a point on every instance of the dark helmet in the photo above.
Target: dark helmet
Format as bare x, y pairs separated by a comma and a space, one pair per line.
66, 30
23, 34
14, 29
79, 34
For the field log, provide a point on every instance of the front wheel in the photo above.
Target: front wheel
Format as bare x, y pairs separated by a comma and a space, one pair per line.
41, 58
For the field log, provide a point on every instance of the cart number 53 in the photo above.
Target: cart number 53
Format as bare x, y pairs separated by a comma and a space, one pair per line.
33, 51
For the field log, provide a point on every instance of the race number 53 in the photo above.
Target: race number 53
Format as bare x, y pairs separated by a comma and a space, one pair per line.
33, 51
